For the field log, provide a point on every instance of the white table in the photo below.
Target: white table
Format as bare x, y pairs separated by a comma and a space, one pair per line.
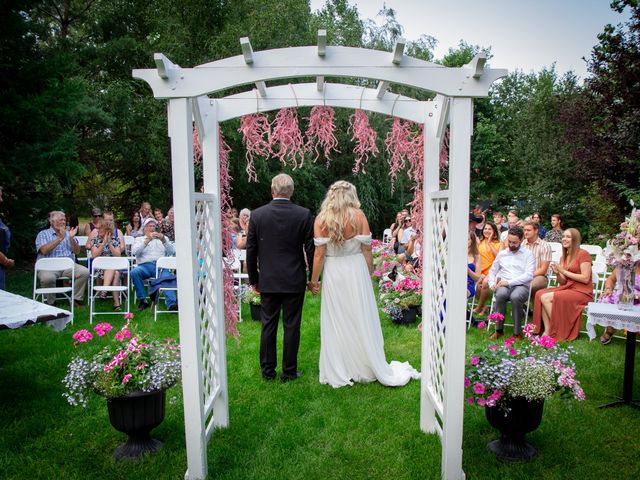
17, 311
609, 315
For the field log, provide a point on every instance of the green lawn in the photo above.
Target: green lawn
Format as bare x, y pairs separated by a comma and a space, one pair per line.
301, 429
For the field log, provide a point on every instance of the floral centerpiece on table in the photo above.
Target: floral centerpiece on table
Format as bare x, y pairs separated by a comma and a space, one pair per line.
533, 369
127, 362
622, 250
251, 297
399, 295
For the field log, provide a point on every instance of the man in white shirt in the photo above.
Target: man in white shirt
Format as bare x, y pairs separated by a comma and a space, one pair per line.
509, 278
148, 249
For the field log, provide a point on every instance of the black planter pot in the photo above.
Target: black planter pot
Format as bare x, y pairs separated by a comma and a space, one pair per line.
136, 415
255, 312
522, 417
408, 316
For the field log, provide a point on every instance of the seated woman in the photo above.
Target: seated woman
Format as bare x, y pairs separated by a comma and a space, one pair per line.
488, 248
611, 293
96, 215
557, 311
167, 226
109, 242
243, 221
474, 264
134, 228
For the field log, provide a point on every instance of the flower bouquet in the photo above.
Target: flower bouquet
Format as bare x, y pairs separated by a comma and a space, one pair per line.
251, 297
622, 250
532, 370
127, 362
400, 295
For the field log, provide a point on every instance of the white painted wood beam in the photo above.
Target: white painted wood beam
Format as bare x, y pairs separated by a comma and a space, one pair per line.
167, 70
398, 50
320, 83
477, 64
322, 43
382, 89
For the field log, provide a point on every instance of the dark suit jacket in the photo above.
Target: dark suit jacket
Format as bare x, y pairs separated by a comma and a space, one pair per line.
279, 234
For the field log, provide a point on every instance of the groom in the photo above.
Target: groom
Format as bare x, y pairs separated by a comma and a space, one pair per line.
279, 234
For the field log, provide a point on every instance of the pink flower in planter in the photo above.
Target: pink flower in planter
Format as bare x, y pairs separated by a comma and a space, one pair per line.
496, 317
467, 382
470, 400
128, 316
475, 360
513, 352
493, 348
482, 402
481, 325
478, 389
82, 336
547, 342
102, 328
126, 378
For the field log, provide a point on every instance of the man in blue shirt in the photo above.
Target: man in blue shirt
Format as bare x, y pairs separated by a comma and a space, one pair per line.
55, 242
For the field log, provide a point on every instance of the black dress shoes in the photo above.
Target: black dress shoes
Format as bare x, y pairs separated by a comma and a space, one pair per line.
289, 378
143, 304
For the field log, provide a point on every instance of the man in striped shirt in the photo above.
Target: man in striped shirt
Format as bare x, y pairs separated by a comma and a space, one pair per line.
58, 241
541, 251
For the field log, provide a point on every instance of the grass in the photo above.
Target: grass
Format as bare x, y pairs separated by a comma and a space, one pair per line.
298, 430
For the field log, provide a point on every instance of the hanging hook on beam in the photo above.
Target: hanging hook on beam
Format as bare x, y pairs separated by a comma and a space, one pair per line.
382, 89
247, 51
320, 83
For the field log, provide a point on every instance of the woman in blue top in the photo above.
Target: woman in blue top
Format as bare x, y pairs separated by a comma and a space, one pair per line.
474, 264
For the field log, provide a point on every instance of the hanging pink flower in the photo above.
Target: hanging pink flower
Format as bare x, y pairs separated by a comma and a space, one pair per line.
286, 133
197, 148
365, 138
398, 146
230, 300
444, 150
256, 130
321, 132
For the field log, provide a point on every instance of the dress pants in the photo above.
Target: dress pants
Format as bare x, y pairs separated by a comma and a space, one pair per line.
518, 294
291, 306
48, 280
148, 270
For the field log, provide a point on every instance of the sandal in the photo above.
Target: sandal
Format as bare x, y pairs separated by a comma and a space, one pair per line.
116, 308
607, 336
480, 310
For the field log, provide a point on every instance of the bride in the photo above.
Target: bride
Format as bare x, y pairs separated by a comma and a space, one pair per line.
351, 343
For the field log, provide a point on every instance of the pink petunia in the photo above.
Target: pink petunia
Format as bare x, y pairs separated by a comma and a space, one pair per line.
513, 352
102, 328
496, 317
467, 382
528, 329
482, 324
493, 348
547, 342
475, 360
128, 316
478, 389
470, 400
482, 402
126, 378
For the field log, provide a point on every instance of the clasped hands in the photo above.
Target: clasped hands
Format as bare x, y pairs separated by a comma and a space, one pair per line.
314, 287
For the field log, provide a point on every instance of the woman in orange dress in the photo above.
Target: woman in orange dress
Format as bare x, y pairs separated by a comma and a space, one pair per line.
488, 248
559, 309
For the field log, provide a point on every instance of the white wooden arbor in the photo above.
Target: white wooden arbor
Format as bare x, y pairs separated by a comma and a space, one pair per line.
198, 219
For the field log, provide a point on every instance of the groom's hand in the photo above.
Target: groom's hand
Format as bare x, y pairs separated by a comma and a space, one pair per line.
255, 288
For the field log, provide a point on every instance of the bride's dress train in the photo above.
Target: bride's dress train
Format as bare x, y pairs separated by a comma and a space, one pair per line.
351, 343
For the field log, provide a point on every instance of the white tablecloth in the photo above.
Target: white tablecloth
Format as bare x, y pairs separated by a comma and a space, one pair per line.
609, 315
17, 311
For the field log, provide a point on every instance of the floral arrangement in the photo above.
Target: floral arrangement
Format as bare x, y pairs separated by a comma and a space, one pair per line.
622, 250
127, 362
533, 369
399, 295
251, 297
365, 138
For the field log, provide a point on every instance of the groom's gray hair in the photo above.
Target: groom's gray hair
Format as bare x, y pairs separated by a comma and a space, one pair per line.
282, 185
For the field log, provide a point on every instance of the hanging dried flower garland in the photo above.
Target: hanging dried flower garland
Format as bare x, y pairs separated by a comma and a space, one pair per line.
321, 132
230, 305
286, 133
365, 138
398, 147
415, 155
256, 131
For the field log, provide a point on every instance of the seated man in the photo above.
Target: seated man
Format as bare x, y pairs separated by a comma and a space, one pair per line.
148, 249
57, 241
509, 278
541, 252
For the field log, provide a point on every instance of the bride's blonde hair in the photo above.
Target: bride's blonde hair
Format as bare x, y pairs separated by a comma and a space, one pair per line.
339, 209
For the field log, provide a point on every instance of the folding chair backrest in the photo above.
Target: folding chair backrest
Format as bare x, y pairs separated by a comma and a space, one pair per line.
386, 235
168, 263
54, 264
556, 247
556, 256
592, 249
128, 243
240, 254
110, 263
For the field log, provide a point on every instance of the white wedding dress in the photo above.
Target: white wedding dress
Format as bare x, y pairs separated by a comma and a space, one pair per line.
351, 343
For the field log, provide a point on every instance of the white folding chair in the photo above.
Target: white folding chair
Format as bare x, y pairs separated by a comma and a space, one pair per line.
593, 250
164, 263
128, 244
55, 264
556, 247
239, 277
82, 241
121, 265
598, 277
386, 236
526, 311
555, 258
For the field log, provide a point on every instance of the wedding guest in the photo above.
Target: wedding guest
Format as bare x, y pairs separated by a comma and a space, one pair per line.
96, 215
145, 211
474, 264
134, 228
243, 220
405, 234
55, 242
557, 311
474, 221
158, 215
167, 225
147, 250
109, 242
509, 278
541, 253
611, 295
535, 216
5, 242
488, 247
501, 223
396, 233
394, 228
555, 234
106, 215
